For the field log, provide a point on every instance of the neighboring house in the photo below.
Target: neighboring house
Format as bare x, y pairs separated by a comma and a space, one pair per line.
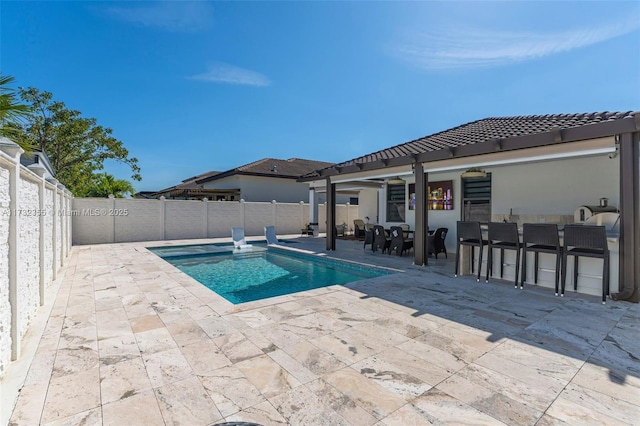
264, 180
189, 189
539, 169
39, 158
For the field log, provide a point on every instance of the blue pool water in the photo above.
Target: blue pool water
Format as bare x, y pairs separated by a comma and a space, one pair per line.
264, 273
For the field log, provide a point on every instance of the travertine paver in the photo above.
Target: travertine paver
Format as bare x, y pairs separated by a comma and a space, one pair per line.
131, 340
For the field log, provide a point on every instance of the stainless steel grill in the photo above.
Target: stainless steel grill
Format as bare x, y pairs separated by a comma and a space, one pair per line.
583, 213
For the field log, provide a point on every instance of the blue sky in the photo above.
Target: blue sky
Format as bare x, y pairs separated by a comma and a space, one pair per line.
191, 87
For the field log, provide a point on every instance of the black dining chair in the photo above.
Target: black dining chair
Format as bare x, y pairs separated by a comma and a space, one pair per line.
436, 242
469, 234
368, 236
380, 240
585, 241
540, 238
503, 236
398, 242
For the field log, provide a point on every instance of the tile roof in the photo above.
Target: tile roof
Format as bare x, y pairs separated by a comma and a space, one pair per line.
292, 168
189, 183
485, 130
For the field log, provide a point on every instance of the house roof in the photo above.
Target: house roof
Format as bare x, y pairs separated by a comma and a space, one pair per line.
189, 183
488, 135
38, 157
292, 168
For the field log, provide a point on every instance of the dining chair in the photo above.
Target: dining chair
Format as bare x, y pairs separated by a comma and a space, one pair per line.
436, 242
398, 242
380, 240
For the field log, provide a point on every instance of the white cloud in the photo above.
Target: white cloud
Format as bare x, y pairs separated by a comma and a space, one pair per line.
473, 48
229, 74
169, 15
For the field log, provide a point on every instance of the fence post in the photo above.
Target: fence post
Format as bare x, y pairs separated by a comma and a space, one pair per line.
274, 212
14, 151
54, 228
67, 218
63, 226
205, 219
40, 171
242, 212
112, 222
163, 222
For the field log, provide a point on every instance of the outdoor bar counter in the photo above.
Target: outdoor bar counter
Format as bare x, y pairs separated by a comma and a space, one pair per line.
589, 272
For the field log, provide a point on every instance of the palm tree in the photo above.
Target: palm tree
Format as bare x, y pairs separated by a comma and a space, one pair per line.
12, 113
105, 184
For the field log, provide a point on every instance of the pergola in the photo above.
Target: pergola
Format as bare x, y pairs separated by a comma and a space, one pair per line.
503, 141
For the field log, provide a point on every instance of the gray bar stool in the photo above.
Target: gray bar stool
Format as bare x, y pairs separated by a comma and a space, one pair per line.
585, 241
503, 236
469, 234
540, 238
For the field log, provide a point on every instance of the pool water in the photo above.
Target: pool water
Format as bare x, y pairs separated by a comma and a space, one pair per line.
264, 273
193, 249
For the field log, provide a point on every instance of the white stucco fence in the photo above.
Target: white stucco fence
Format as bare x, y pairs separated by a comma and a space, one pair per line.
115, 220
35, 238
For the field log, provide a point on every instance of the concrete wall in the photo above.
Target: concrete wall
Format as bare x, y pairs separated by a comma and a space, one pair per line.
345, 214
34, 240
5, 306
102, 220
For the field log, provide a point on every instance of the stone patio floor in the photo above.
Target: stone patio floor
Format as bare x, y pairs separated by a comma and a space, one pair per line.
130, 340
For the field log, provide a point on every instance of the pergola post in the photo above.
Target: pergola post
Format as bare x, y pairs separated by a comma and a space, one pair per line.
629, 267
331, 215
420, 236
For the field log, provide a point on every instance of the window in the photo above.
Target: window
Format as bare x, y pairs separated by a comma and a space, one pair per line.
395, 202
476, 198
353, 201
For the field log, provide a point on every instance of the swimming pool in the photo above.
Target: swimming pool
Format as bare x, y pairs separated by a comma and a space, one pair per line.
264, 272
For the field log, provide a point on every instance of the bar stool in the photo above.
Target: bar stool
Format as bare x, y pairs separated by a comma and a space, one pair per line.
505, 237
469, 234
585, 241
540, 238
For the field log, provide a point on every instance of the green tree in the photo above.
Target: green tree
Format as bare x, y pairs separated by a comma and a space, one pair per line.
76, 146
12, 113
105, 184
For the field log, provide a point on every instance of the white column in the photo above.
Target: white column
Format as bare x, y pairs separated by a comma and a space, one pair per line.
14, 151
313, 206
54, 229
67, 218
348, 207
63, 226
41, 171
